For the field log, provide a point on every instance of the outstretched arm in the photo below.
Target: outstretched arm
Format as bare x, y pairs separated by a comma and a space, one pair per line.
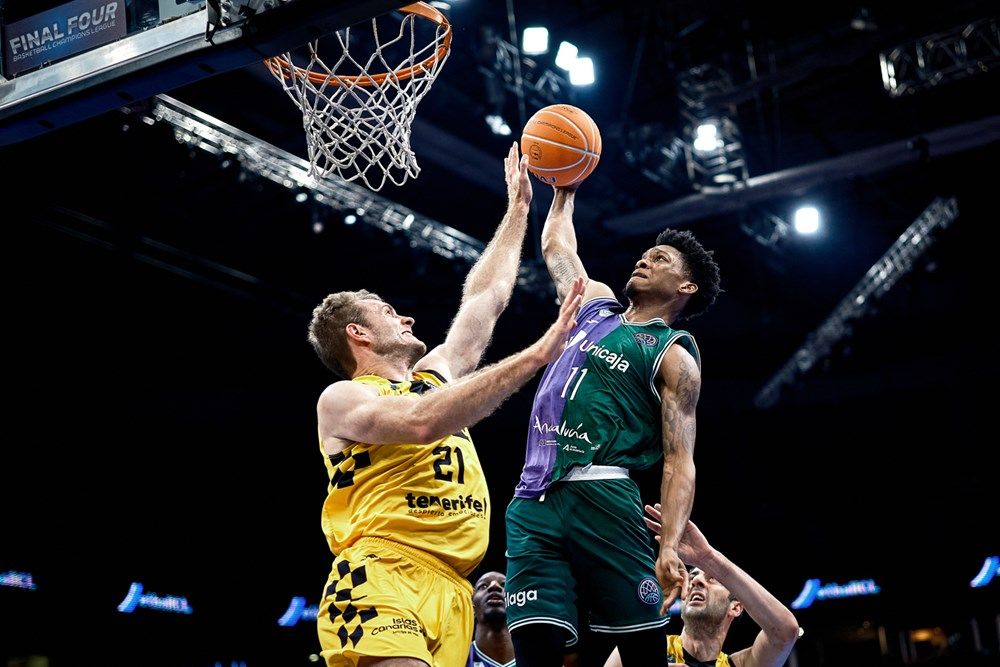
351, 412
490, 282
680, 385
559, 248
778, 627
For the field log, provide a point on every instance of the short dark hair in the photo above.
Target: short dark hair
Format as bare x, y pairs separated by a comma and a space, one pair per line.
327, 329
703, 270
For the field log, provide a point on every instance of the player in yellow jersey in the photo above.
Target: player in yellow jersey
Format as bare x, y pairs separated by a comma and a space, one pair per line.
407, 511
718, 592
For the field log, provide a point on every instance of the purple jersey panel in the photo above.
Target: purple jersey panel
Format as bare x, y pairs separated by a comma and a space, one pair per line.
597, 318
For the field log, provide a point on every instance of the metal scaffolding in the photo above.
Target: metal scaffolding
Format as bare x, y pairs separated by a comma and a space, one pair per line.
939, 143
199, 130
876, 283
942, 57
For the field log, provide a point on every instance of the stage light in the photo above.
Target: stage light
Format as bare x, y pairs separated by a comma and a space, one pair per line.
566, 55
706, 138
498, 125
535, 41
581, 72
714, 151
806, 220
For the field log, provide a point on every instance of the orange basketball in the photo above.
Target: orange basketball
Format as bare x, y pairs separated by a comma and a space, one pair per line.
562, 143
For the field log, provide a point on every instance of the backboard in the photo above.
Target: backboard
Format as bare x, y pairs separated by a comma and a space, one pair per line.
161, 58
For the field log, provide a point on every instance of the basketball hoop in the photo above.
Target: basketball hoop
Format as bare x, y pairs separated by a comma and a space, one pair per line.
358, 112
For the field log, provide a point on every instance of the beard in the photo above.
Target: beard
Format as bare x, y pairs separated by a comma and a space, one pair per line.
409, 351
708, 617
629, 291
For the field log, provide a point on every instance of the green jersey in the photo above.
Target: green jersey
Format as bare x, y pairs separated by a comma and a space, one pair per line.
598, 402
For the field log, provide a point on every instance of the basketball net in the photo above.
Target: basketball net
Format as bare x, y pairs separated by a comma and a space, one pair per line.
358, 124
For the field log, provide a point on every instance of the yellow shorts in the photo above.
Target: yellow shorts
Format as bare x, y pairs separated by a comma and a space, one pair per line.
387, 600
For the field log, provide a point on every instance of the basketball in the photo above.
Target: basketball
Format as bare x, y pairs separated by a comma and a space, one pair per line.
562, 143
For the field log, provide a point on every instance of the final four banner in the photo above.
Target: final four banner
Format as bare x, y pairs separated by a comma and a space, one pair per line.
62, 32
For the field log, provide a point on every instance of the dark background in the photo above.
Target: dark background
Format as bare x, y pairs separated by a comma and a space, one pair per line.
161, 427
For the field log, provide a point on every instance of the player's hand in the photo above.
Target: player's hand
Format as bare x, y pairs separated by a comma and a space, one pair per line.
673, 577
654, 520
553, 342
516, 172
694, 549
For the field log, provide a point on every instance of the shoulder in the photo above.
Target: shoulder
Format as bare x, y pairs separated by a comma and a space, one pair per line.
436, 363
679, 375
336, 397
601, 302
598, 290
678, 362
334, 407
596, 310
685, 339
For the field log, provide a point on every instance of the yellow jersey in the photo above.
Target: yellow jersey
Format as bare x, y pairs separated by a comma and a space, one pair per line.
676, 653
430, 497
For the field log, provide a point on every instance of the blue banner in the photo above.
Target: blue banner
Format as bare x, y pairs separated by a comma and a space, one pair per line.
137, 598
62, 32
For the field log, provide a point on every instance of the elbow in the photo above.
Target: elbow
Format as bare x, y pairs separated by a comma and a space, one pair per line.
423, 429
489, 301
686, 464
551, 245
500, 297
679, 466
788, 630
425, 435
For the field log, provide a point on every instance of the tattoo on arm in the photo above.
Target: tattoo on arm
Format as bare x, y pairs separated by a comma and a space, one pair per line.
679, 423
563, 271
669, 424
688, 386
687, 438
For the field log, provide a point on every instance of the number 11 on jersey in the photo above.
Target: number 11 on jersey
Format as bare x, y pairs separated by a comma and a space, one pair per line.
583, 374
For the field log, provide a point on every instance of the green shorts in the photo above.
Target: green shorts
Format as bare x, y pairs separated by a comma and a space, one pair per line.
582, 556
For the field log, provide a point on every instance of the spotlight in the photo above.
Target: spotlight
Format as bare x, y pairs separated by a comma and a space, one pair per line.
498, 125
566, 55
806, 220
581, 72
714, 151
350, 219
535, 41
706, 138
